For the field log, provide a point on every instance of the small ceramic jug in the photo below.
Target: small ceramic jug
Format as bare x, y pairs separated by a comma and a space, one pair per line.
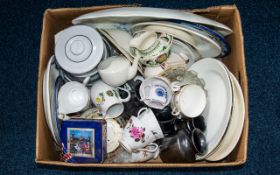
117, 70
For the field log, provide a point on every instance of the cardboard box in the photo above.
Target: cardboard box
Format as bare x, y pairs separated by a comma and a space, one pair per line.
55, 20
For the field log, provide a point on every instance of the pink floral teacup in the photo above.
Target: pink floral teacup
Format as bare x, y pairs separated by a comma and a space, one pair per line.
136, 135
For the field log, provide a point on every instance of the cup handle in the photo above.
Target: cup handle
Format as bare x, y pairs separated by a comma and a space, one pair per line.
141, 110
128, 95
86, 80
175, 112
150, 151
175, 86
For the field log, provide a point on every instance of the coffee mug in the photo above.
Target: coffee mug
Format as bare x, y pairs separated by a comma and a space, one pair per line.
73, 97
189, 101
136, 135
107, 99
148, 118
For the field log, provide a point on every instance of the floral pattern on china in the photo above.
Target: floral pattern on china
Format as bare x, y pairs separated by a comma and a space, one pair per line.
110, 93
137, 133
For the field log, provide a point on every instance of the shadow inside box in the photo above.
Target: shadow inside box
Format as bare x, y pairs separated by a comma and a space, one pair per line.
136, 170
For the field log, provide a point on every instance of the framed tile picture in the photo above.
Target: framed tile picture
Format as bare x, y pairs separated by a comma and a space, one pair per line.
83, 140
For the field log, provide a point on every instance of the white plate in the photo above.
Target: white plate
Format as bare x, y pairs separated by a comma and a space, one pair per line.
235, 126
51, 74
206, 46
122, 50
219, 100
114, 134
142, 14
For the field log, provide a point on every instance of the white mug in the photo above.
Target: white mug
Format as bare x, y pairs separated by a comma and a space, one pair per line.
107, 99
73, 97
136, 135
148, 118
189, 101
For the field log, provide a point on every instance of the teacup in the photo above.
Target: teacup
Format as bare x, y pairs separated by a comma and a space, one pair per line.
107, 99
156, 92
189, 101
141, 155
116, 70
73, 97
136, 135
148, 118
152, 48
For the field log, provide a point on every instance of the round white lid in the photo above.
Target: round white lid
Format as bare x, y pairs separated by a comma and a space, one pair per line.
79, 49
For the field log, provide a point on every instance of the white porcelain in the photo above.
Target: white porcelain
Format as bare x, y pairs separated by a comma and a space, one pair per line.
116, 70
115, 41
145, 154
152, 48
114, 133
189, 101
136, 135
219, 100
178, 34
73, 97
235, 126
50, 76
149, 152
148, 118
206, 46
188, 53
156, 92
153, 71
78, 49
107, 99
142, 14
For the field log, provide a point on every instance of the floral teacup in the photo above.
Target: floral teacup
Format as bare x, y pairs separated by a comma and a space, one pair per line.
136, 135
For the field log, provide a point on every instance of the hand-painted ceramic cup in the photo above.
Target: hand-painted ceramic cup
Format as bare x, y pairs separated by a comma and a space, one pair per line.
136, 135
107, 99
156, 92
148, 118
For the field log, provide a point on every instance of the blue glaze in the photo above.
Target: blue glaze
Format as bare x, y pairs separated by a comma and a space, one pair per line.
87, 135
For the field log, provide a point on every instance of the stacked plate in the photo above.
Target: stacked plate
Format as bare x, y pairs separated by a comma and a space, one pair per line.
225, 110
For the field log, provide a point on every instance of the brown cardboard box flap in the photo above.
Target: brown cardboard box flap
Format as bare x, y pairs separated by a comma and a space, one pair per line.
55, 20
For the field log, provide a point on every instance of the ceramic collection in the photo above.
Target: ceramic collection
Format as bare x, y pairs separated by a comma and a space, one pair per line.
134, 84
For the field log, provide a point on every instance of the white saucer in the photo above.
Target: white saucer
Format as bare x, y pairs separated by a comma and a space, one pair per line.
141, 14
219, 100
235, 126
114, 134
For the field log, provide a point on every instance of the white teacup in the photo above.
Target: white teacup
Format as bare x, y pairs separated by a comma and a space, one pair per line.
156, 92
107, 99
136, 135
189, 101
73, 97
141, 155
148, 118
